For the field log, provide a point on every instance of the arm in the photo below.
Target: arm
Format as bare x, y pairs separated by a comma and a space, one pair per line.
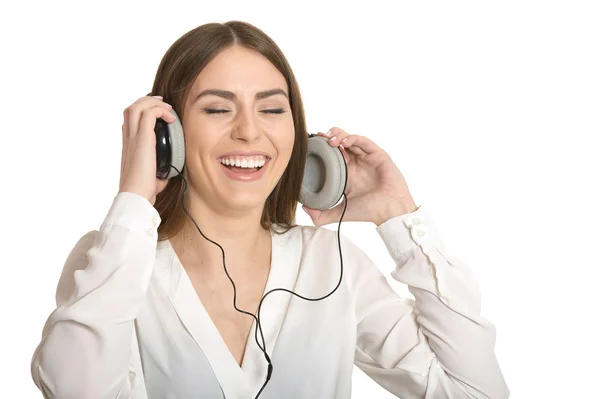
85, 351
437, 346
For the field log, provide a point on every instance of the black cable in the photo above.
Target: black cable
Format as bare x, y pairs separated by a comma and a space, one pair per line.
257, 318
299, 296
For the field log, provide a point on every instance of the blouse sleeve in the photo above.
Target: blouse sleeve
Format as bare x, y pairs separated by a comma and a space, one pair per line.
436, 346
86, 345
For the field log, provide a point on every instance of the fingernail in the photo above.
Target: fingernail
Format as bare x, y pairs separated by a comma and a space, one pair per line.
333, 138
159, 97
327, 133
343, 141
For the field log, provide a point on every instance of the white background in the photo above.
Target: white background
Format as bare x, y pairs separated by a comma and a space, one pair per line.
490, 110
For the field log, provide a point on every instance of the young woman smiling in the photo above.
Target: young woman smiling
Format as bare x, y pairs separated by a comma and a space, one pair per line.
146, 310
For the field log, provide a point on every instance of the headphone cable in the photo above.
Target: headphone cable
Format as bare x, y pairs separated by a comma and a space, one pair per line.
257, 317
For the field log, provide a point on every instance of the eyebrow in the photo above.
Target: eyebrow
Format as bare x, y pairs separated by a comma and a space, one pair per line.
229, 95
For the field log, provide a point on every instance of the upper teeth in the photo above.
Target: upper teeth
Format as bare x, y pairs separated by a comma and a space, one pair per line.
254, 161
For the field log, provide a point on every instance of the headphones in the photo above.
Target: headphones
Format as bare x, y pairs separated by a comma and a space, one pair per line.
324, 174
323, 184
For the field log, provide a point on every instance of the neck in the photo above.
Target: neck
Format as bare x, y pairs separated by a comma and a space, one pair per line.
238, 232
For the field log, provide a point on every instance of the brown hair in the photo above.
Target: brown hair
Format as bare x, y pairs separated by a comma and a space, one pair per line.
179, 68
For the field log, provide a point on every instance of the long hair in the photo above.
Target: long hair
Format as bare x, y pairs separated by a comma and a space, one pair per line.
179, 68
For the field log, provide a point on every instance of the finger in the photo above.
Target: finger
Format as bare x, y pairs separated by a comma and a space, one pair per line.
356, 151
133, 113
356, 143
150, 115
312, 213
135, 117
333, 140
345, 154
337, 131
145, 99
318, 217
147, 102
330, 215
326, 216
336, 135
160, 185
326, 135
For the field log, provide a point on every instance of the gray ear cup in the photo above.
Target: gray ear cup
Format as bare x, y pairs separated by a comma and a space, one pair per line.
177, 146
324, 175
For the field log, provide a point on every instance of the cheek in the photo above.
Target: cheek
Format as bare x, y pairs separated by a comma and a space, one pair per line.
289, 136
286, 144
200, 136
194, 143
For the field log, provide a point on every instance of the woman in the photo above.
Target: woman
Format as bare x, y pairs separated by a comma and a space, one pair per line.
145, 309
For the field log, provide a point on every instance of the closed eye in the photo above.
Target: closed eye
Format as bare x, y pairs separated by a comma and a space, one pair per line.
273, 111
224, 111
216, 111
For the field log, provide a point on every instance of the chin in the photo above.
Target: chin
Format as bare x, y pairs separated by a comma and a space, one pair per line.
246, 201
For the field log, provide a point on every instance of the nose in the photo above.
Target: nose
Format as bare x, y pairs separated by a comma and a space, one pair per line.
246, 127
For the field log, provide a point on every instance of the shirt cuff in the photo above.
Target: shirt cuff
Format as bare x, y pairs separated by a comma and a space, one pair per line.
404, 233
133, 212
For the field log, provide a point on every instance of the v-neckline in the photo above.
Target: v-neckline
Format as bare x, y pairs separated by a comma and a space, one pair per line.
232, 377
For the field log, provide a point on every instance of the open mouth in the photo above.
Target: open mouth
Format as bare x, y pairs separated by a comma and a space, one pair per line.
244, 164
240, 169
245, 169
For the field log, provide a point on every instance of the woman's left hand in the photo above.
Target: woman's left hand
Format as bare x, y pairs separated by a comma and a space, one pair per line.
376, 190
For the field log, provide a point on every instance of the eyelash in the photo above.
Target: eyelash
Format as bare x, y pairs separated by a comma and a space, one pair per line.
275, 111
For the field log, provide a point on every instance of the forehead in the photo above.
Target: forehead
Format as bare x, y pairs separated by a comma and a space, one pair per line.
238, 68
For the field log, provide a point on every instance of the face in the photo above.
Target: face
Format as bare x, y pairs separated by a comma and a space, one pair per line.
237, 113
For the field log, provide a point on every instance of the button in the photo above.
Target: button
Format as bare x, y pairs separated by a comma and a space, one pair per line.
416, 221
420, 233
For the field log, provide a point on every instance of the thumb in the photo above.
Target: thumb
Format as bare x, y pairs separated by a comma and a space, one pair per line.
318, 217
161, 185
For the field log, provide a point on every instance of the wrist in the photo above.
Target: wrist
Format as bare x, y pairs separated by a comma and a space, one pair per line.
395, 209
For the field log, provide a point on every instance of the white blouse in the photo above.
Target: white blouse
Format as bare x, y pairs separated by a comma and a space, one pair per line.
128, 323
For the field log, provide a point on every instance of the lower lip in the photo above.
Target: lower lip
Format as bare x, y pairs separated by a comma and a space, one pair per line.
245, 177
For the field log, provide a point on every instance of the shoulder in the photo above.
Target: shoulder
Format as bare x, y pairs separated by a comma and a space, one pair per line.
310, 236
324, 242
324, 250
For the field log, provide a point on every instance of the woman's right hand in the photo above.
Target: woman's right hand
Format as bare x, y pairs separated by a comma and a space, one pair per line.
138, 159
